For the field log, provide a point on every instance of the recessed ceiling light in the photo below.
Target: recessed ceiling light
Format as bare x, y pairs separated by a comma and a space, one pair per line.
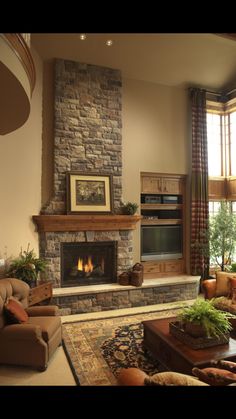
82, 36
109, 42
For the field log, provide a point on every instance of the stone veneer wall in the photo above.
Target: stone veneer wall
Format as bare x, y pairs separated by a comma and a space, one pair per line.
87, 127
87, 139
111, 300
50, 249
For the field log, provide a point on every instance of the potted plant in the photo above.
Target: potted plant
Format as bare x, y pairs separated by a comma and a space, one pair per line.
217, 243
222, 236
129, 208
203, 319
27, 267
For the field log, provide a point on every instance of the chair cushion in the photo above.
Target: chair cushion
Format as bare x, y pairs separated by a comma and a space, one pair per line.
223, 283
170, 378
225, 304
48, 324
14, 311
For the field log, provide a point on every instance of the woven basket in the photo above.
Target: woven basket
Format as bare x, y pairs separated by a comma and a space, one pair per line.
136, 278
124, 278
138, 267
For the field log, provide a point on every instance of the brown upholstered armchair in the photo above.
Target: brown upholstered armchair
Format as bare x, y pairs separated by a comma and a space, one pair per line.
219, 287
223, 290
31, 343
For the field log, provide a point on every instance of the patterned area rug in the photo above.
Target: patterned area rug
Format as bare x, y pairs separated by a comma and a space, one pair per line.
98, 349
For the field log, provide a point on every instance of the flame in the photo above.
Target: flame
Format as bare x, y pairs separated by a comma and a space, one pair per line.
87, 267
80, 264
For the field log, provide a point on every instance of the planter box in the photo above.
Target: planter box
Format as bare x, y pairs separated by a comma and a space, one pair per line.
196, 342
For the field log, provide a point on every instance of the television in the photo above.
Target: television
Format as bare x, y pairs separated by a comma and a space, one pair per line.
159, 242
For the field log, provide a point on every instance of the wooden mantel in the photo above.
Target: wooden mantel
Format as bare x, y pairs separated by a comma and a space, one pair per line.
85, 222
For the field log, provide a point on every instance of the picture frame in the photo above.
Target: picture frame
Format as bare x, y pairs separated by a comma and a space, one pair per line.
89, 193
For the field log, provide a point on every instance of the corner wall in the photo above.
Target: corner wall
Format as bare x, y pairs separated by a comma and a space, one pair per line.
20, 179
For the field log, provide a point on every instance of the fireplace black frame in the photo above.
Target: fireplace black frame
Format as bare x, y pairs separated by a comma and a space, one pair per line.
112, 248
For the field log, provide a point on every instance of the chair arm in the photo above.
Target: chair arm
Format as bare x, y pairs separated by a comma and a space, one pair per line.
36, 311
131, 377
21, 332
209, 288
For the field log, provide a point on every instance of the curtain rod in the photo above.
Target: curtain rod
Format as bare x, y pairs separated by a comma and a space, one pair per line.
218, 93
221, 94
213, 93
231, 91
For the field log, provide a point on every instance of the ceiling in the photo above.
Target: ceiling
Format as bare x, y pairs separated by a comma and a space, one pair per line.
181, 59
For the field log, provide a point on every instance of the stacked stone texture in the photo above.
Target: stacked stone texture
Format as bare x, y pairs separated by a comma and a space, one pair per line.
102, 301
87, 127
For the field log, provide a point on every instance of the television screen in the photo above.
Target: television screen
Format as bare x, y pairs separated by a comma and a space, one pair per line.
161, 242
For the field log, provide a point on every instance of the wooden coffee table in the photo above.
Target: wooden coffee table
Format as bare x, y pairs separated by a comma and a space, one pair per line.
175, 355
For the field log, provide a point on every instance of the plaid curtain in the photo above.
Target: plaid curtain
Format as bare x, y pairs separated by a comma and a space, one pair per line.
199, 253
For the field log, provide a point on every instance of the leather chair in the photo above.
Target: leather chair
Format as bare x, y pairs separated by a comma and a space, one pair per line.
31, 343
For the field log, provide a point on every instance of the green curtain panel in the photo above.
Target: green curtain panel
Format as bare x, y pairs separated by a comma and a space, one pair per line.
199, 254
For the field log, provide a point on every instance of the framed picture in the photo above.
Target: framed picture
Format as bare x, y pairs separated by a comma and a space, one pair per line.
89, 193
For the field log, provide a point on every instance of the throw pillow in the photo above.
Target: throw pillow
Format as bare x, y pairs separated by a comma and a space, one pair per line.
170, 378
14, 311
215, 376
233, 296
226, 365
222, 283
232, 282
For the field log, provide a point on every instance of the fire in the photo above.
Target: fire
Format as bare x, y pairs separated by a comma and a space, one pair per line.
86, 267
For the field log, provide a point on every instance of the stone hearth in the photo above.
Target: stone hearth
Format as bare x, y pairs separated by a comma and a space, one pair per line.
94, 298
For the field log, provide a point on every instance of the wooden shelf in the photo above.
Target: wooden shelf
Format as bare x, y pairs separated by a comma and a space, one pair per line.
161, 206
85, 222
158, 221
161, 184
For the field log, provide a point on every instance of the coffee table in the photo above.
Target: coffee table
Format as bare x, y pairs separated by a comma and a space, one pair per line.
175, 355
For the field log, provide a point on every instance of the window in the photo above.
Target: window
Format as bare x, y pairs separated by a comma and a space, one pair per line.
232, 142
221, 138
214, 207
215, 144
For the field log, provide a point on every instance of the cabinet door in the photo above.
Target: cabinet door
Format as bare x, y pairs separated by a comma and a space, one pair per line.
152, 267
173, 266
151, 184
172, 186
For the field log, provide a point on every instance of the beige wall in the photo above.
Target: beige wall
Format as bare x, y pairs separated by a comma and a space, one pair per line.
154, 136
20, 179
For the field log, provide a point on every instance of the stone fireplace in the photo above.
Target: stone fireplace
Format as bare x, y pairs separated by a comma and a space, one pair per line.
88, 263
112, 231
88, 122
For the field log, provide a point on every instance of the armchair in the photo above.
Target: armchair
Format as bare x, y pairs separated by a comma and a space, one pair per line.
31, 343
223, 289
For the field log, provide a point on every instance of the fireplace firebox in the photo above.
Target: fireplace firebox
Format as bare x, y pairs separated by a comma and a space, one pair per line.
88, 263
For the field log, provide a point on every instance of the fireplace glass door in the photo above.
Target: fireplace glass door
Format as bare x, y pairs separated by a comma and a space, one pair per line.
88, 263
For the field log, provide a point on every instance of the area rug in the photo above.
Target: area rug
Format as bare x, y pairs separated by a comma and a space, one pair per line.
98, 349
